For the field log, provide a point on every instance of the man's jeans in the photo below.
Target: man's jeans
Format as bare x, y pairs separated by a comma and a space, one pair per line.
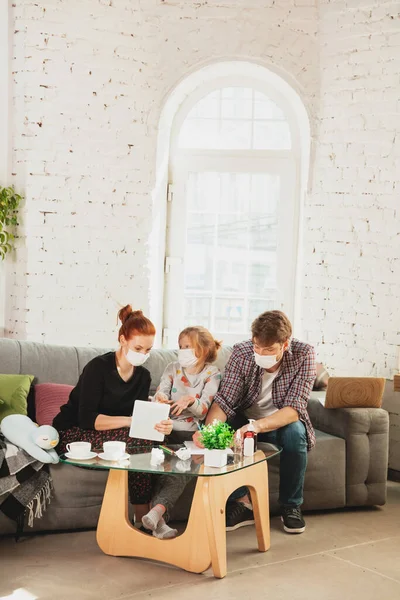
293, 462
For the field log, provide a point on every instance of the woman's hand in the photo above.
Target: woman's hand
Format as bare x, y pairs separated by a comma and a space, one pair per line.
162, 398
197, 439
164, 427
180, 405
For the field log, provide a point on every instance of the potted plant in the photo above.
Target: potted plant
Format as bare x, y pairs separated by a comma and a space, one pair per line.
216, 438
9, 202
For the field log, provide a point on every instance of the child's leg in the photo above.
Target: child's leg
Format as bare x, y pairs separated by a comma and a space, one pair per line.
169, 488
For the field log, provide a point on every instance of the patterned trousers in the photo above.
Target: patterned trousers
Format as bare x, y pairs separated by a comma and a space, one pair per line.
139, 484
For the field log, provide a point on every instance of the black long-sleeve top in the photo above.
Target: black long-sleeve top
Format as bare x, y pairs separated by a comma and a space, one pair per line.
101, 390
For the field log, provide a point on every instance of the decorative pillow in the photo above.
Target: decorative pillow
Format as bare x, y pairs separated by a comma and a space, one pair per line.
355, 392
49, 397
321, 381
14, 390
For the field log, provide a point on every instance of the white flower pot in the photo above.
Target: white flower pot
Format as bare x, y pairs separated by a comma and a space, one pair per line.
215, 458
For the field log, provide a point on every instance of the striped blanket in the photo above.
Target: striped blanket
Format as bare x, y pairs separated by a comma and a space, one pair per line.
25, 485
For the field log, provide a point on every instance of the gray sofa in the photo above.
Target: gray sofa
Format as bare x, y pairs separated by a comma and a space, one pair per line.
348, 466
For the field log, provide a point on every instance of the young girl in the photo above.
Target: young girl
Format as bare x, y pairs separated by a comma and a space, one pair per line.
189, 386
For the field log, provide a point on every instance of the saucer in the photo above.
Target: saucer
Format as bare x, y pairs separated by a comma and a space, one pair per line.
87, 457
103, 456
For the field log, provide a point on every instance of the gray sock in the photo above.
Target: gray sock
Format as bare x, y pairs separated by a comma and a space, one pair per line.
164, 532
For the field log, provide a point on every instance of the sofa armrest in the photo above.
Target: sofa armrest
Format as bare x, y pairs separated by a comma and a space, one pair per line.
366, 432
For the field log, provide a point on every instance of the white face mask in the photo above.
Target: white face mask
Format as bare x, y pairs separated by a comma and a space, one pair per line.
136, 358
187, 357
265, 362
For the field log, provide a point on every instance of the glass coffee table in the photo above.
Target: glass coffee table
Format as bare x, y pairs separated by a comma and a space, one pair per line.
203, 543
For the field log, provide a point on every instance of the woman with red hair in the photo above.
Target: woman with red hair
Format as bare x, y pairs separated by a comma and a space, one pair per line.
100, 406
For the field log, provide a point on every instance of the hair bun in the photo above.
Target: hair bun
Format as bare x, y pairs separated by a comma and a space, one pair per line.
125, 313
218, 345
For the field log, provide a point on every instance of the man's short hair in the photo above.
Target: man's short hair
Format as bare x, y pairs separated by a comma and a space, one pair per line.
271, 327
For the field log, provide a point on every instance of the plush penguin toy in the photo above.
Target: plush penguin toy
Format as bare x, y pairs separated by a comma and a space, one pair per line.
38, 442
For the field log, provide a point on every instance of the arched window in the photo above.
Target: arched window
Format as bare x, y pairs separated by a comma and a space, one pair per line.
234, 196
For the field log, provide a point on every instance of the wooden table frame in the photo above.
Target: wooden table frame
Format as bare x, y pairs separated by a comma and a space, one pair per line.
199, 546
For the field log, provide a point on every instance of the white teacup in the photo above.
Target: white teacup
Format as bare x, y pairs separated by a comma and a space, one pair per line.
114, 450
79, 449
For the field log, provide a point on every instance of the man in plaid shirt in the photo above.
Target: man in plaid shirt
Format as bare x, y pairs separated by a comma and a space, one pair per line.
270, 379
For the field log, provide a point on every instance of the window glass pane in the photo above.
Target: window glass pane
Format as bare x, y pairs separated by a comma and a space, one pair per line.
237, 103
197, 310
234, 192
231, 276
273, 135
262, 277
235, 134
235, 118
229, 314
232, 233
264, 108
207, 108
199, 254
199, 133
231, 251
258, 306
203, 192
265, 191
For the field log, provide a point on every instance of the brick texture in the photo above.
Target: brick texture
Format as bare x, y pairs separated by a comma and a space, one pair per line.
352, 227
89, 80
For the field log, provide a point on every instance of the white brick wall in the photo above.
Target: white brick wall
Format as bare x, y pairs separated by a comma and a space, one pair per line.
90, 78
352, 282
89, 81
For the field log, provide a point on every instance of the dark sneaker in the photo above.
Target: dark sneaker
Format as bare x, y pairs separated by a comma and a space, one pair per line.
292, 519
238, 515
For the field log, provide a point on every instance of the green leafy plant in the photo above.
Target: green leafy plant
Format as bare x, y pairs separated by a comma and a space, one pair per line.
217, 436
9, 203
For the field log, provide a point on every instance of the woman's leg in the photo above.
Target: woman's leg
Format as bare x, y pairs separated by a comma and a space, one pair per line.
139, 484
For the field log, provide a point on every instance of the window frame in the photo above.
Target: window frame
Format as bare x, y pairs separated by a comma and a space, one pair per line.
233, 81
183, 160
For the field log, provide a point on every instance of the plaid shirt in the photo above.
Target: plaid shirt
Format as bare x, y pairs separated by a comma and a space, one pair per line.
241, 383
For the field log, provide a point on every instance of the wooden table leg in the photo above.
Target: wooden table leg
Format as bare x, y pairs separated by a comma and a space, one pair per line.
217, 492
117, 537
200, 545
215, 498
257, 482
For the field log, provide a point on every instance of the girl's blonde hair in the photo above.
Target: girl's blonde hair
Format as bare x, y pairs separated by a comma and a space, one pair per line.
204, 345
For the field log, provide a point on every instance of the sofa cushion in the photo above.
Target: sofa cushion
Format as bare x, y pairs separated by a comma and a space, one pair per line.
49, 397
14, 390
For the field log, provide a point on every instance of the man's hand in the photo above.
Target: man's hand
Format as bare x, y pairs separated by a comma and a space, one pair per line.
162, 398
197, 439
180, 405
256, 426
